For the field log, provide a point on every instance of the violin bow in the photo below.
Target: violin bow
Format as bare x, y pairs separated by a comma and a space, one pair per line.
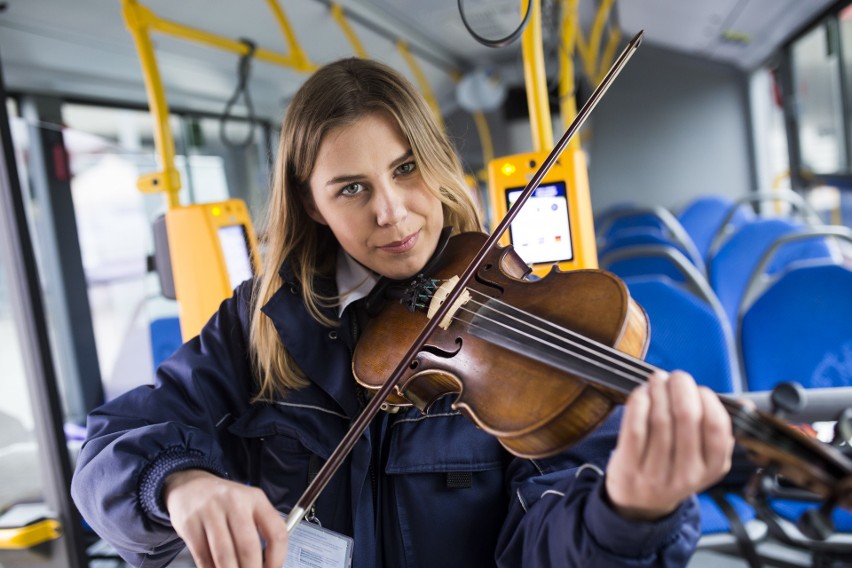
335, 460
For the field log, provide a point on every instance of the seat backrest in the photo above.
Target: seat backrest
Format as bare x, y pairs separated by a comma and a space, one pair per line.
641, 236
788, 205
729, 270
800, 329
702, 219
653, 220
686, 333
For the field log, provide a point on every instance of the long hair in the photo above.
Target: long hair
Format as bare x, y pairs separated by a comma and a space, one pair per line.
339, 94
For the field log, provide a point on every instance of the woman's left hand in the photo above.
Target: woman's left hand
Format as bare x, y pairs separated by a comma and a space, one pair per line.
675, 440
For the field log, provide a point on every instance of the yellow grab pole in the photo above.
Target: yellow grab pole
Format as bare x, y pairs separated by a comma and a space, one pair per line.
298, 57
589, 52
608, 55
484, 136
340, 18
296, 60
536, 81
425, 89
567, 84
573, 157
138, 21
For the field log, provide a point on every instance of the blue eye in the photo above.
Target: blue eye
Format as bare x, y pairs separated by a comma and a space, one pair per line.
406, 168
351, 189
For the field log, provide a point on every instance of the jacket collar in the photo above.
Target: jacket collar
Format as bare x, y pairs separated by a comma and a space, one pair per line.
323, 353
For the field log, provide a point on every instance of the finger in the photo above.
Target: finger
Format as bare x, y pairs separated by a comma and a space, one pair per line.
220, 542
687, 413
273, 529
717, 432
196, 541
658, 452
246, 541
633, 434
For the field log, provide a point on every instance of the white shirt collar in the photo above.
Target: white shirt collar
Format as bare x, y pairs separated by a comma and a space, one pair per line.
354, 281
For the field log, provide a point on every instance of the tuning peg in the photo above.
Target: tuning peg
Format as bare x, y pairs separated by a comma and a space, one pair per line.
817, 524
759, 483
787, 399
843, 429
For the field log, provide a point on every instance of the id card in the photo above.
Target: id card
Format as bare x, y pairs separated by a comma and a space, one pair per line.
311, 546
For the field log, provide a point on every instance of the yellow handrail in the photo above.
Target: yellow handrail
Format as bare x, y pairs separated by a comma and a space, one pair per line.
595, 65
484, 136
140, 20
340, 17
536, 81
567, 82
420, 77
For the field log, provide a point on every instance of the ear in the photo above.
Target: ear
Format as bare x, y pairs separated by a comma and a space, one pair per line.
312, 211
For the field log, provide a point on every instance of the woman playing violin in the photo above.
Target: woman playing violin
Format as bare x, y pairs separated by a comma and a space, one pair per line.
241, 416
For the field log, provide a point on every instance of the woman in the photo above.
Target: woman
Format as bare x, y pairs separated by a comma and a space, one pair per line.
242, 416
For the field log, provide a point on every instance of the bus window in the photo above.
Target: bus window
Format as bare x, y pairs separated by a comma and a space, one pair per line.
845, 23
816, 75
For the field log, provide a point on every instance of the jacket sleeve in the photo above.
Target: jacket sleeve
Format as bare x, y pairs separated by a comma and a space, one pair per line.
136, 440
559, 515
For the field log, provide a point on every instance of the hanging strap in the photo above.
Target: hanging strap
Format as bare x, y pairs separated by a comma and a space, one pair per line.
243, 73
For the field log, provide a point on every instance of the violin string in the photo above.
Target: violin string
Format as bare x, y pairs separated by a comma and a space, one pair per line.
574, 348
612, 355
640, 368
741, 423
744, 421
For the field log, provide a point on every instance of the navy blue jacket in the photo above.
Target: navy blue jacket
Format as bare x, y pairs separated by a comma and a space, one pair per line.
416, 490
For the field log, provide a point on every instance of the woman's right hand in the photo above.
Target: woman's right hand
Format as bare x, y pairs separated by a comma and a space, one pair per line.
222, 521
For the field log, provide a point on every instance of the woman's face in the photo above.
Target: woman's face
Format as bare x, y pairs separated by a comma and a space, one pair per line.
368, 189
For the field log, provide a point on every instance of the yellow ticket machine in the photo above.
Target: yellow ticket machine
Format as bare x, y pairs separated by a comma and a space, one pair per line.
556, 226
211, 248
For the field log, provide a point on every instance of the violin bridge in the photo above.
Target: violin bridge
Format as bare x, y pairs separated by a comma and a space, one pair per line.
438, 298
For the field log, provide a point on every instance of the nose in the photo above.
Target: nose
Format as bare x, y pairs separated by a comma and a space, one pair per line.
389, 203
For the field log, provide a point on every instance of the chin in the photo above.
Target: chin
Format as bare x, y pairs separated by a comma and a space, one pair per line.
403, 270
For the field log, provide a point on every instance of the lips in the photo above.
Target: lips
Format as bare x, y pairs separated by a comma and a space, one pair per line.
404, 245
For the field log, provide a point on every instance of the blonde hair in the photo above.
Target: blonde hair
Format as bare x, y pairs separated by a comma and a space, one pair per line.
339, 94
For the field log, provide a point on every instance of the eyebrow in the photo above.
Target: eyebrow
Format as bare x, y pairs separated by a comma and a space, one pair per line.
356, 177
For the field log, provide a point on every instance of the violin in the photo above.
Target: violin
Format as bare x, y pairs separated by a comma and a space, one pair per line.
530, 362
539, 364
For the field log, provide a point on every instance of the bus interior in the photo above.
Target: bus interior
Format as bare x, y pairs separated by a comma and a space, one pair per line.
714, 178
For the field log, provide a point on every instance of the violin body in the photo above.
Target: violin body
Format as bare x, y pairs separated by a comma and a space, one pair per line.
532, 408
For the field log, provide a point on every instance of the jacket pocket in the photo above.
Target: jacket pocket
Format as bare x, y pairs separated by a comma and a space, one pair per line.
282, 439
448, 487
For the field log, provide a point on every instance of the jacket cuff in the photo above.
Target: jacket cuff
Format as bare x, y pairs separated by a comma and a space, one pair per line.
632, 538
153, 477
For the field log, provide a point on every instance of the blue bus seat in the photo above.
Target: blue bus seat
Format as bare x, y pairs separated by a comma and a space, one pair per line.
657, 221
637, 263
731, 268
686, 333
800, 329
690, 333
165, 338
797, 209
703, 217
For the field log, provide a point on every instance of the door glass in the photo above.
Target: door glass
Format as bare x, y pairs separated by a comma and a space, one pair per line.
20, 461
816, 73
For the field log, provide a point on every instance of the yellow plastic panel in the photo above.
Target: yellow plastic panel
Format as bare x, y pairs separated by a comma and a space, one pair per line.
213, 247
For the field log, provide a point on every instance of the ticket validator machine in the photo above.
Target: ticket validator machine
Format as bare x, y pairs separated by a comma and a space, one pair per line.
556, 226
203, 252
